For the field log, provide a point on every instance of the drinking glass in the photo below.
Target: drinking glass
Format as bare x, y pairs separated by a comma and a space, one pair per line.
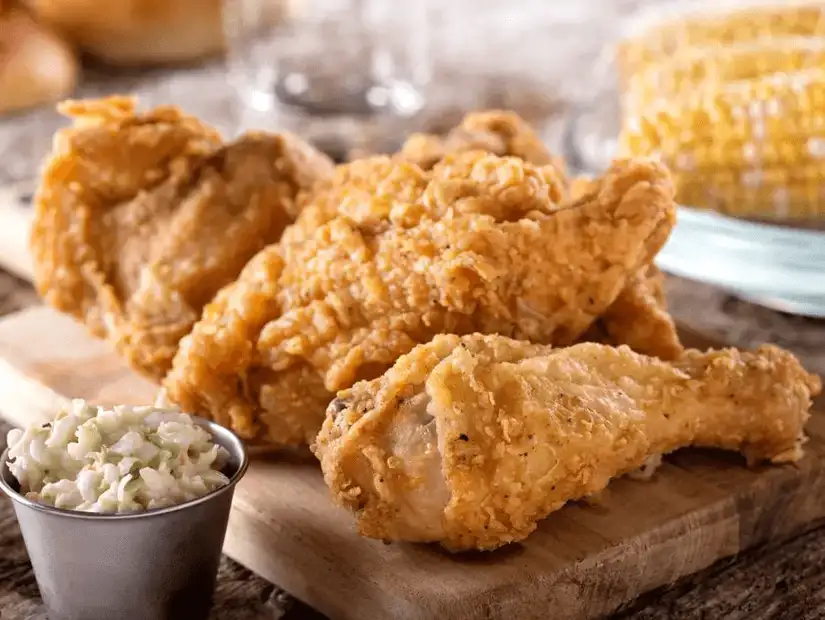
344, 74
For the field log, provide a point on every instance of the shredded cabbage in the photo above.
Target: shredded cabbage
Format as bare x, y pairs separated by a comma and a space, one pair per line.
124, 459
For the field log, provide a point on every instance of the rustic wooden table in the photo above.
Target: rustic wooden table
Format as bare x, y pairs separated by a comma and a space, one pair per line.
784, 581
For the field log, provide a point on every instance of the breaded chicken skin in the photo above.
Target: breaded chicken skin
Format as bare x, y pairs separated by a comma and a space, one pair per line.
141, 218
478, 244
639, 319
470, 441
498, 132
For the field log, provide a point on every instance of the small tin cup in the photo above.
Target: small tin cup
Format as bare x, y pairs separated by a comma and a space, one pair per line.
155, 565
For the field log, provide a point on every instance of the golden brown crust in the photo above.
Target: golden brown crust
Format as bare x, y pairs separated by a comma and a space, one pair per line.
639, 319
499, 132
358, 185
367, 183
141, 218
478, 244
581, 186
36, 65
471, 441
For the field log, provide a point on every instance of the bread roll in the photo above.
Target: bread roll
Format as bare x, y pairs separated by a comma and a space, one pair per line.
36, 66
136, 32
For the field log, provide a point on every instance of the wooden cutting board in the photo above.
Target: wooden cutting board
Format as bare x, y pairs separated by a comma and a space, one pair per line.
583, 562
15, 222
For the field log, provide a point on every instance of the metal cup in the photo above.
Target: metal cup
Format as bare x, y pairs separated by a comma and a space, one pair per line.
154, 565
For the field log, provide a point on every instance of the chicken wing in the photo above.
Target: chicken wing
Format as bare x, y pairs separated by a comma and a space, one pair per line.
478, 244
141, 218
639, 318
470, 441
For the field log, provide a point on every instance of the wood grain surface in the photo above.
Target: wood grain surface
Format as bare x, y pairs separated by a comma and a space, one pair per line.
583, 562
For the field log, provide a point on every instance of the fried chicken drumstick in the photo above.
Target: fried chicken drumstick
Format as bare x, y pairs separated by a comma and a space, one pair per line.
141, 218
470, 441
478, 244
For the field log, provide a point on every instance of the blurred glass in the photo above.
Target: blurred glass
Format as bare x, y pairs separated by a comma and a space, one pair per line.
530, 56
344, 74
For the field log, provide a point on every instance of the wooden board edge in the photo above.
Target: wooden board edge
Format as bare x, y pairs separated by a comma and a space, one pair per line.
22, 395
15, 222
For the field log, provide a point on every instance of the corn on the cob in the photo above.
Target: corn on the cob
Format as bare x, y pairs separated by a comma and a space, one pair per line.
691, 68
780, 20
795, 193
777, 119
749, 147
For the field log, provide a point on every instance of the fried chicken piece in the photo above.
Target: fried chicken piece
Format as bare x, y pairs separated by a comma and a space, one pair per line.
141, 218
498, 132
495, 131
366, 183
639, 319
477, 245
580, 186
470, 441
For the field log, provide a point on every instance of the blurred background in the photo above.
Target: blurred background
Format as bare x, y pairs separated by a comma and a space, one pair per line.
730, 94
326, 68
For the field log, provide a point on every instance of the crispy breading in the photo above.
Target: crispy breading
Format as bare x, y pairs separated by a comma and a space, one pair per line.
478, 244
499, 132
364, 184
639, 319
581, 186
141, 218
470, 441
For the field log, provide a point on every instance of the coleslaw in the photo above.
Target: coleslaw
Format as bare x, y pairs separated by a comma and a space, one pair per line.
123, 459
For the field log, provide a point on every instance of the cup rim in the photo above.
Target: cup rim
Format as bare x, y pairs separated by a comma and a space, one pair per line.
225, 437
